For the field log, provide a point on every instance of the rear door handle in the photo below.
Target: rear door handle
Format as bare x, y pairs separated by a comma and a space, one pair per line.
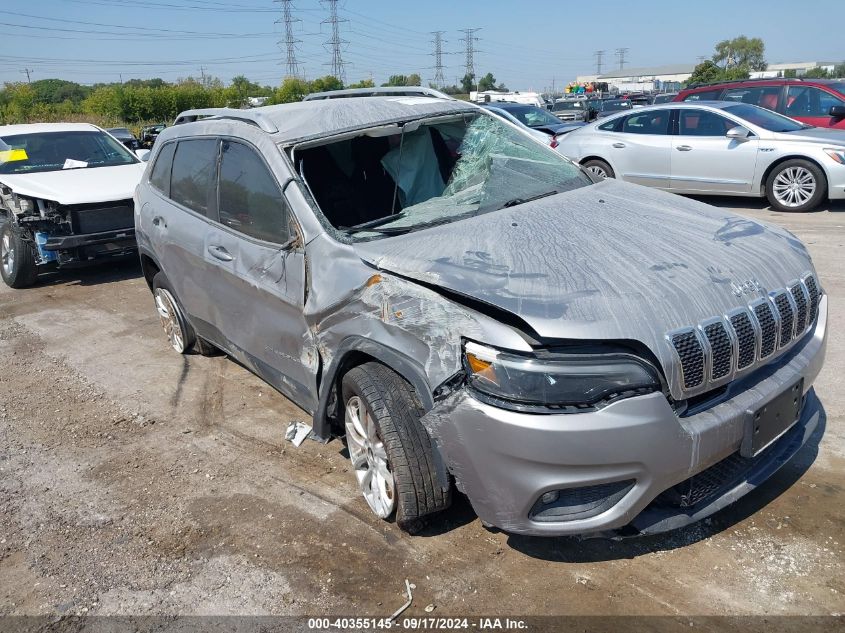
619, 145
684, 148
218, 252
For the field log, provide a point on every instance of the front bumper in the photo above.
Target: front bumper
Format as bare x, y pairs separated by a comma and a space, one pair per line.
68, 250
505, 461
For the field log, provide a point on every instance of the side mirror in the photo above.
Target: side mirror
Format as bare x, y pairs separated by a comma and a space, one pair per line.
837, 112
143, 154
738, 133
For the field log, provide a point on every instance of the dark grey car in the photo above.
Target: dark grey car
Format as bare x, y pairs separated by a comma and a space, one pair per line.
469, 308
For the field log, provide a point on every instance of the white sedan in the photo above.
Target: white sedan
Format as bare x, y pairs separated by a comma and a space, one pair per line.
720, 148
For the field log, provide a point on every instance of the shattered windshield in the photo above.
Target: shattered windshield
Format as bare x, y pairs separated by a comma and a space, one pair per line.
427, 174
55, 151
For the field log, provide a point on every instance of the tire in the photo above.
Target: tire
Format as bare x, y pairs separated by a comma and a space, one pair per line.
176, 327
599, 168
17, 258
393, 414
796, 186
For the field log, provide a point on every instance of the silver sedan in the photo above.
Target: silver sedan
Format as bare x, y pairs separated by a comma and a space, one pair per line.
722, 148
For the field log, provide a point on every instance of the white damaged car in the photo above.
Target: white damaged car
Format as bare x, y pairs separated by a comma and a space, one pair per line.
65, 198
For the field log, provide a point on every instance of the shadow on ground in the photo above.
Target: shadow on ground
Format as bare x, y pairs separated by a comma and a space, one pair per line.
93, 275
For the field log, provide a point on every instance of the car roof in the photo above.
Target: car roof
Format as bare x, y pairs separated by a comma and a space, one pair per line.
37, 128
747, 83
508, 105
307, 120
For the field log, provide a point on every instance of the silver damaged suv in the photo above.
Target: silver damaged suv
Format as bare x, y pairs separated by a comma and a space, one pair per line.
470, 309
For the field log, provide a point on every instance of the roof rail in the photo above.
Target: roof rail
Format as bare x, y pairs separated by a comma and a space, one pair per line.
736, 81
384, 91
247, 116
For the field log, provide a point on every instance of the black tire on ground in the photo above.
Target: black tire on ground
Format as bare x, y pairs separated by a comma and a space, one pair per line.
20, 254
597, 165
160, 283
391, 402
803, 167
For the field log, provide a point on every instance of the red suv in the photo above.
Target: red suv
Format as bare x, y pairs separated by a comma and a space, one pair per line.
819, 102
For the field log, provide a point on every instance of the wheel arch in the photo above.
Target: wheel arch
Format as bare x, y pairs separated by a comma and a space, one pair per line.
352, 352
590, 157
768, 172
149, 267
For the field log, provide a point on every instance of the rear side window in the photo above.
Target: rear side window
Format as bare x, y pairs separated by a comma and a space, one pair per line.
704, 95
250, 199
612, 126
763, 96
192, 177
160, 175
655, 122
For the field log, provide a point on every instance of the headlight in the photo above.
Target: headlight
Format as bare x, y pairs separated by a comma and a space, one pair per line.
556, 380
836, 154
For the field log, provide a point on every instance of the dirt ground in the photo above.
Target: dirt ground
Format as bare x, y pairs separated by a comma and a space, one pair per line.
136, 481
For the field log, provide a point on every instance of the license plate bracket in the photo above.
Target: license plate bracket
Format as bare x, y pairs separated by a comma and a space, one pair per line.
769, 422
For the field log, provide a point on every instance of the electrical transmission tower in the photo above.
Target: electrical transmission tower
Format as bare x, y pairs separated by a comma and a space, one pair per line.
27, 72
336, 43
439, 75
469, 39
620, 55
290, 42
599, 55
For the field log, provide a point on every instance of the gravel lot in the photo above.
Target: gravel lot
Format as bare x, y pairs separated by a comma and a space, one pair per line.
133, 480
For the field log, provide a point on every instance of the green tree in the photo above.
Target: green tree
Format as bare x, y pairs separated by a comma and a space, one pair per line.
326, 84
292, 89
708, 72
839, 70
414, 80
396, 80
742, 52
817, 73
468, 83
487, 82
58, 90
364, 83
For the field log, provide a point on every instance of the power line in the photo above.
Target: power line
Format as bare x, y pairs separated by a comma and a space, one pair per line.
599, 55
336, 43
291, 63
620, 55
469, 39
439, 75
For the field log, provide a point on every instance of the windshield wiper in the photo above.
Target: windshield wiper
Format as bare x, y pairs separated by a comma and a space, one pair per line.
372, 223
517, 201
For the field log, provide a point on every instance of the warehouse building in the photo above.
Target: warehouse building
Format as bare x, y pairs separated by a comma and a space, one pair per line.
655, 79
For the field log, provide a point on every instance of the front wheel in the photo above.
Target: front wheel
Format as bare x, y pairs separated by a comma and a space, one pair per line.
599, 168
179, 333
392, 454
796, 185
17, 258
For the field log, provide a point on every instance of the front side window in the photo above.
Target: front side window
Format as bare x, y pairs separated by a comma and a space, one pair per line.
807, 101
250, 199
56, 151
763, 96
533, 116
655, 122
703, 123
192, 178
430, 173
766, 119
160, 175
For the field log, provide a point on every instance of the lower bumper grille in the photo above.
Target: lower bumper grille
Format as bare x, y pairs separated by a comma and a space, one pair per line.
571, 504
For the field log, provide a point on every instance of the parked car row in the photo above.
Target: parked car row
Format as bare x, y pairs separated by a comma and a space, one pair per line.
468, 308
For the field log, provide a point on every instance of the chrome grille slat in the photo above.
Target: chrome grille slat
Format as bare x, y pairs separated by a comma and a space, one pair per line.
718, 350
746, 340
787, 319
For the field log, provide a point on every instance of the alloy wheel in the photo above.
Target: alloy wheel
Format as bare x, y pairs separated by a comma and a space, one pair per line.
7, 255
369, 459
597, 171
794, 186
166, 308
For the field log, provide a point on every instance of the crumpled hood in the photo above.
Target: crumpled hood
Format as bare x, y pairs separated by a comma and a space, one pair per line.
609, 261
78, 186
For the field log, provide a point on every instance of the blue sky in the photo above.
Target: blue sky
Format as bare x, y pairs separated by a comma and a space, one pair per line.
525, 44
